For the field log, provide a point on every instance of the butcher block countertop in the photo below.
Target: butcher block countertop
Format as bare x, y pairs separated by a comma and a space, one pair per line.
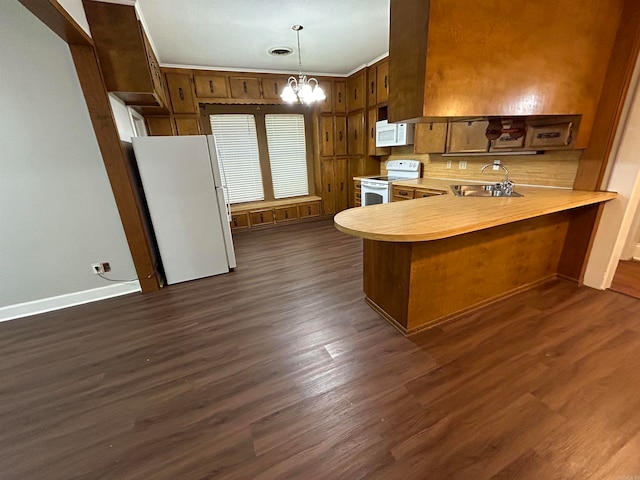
444, 216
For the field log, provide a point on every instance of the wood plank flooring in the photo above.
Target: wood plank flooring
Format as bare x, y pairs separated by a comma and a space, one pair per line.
279, 370
627, 278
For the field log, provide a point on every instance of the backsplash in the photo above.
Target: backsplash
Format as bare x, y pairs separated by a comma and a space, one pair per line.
552, 168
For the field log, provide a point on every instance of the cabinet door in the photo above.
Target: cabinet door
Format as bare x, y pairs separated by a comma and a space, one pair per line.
340, 140
342, 184
356, 92
372, 118
160, 126
244, 87
327, 104
326, 125
188, 126
357, 188
181, 93
328, 187
468, 137
239, 220
311, 209
339, 97
372, 88
273, 85
382, 82
402, 193
154, 68
355, 139
261, 217
211, 86
286, 214
430, 137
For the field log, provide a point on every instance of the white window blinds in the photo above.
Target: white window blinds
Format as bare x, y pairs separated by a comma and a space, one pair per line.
237, 144
287, 155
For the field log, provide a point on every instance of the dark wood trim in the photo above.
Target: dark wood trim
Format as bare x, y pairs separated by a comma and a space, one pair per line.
595, 158
115, 161
54, 16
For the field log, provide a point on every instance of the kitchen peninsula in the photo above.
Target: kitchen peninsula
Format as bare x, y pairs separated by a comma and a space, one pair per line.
430, 259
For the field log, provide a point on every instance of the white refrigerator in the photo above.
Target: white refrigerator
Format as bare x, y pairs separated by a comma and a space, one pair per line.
183, 186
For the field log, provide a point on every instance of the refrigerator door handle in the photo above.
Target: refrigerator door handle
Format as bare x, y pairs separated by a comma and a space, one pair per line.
227, 204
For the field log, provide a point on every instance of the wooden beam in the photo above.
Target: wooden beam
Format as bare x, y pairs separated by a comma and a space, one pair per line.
116, 164
54, 16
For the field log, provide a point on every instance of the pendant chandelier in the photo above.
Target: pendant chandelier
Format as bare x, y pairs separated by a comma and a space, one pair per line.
302, 89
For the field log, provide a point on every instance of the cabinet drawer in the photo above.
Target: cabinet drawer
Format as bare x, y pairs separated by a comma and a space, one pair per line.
311, 209
285, 214
403, 193
261, 217
427, 192
272, 86
239, 220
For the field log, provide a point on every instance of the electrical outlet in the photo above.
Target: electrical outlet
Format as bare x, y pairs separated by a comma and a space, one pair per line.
102, 267
448, 163
462, 165
496, 164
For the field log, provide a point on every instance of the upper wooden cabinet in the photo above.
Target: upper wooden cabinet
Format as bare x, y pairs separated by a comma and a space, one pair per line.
181, 93
372, 89
244, 87
430, 137
382, 82
339, 97
356, 91
211, 86
462, 59
129, 66
356, 134
327, 104
272, 86
467, 137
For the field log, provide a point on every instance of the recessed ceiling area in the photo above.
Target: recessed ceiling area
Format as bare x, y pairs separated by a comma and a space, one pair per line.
339, 36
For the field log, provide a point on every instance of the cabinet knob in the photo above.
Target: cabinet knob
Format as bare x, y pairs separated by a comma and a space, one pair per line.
328, 187
181, 93
211, 85
355, 93
286, 214
235, 222
326, 136
385, 81
339, 97
403, 193
309, 210
275, 88
261, 218
340, 135
373, 132
355, 134
373, 88
341, 186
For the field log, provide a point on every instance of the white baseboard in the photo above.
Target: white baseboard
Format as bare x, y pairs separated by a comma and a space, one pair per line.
68, 300
636, 252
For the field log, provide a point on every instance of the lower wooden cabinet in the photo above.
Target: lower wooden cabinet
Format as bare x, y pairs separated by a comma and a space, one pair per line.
357, 188
275, 212
335, 186
401, 193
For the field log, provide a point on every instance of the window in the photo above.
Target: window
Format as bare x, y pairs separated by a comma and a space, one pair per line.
237, 145
287, 155
264, 154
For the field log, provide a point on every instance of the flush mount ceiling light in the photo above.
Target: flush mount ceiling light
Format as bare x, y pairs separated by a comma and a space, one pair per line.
302, 89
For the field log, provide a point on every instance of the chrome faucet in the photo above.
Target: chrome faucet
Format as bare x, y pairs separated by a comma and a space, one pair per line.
506, 185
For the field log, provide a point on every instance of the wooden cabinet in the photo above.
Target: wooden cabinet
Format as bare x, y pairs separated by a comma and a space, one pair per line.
382, 82
356, 135
334, 135
468, 137
286, 213
188, 125
402, 193
462, 59
372, 118
262, 217
372, 86
160, 126
211, 86
181, 93
339, 97
356, 92
426, 192
335, 187
308, 210
239, 220
272, 86
430, 137
244, 87
327, 104
129, 66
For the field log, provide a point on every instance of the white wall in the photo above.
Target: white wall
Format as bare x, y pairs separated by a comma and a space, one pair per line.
76, 10
57, 211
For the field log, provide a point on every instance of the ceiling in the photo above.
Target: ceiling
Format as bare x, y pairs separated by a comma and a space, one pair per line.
339, 36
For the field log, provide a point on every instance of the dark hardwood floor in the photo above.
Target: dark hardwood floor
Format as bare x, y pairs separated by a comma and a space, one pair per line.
627, 278
279, 370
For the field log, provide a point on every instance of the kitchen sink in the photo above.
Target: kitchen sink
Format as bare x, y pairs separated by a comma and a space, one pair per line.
482, 190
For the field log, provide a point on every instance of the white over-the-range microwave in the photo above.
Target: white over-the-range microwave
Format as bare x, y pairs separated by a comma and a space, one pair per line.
394, 134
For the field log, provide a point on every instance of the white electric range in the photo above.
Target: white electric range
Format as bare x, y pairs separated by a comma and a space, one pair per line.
377, 190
